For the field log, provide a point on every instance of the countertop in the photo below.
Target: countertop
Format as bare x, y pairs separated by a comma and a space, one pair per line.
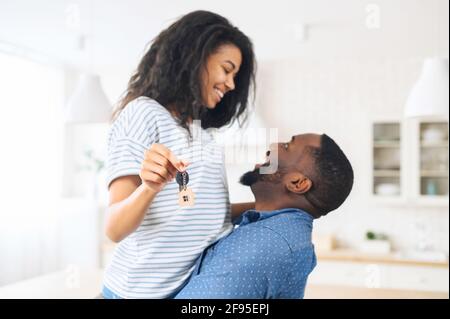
391, 258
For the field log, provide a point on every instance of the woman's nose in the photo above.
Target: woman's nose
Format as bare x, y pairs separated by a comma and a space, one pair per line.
230, 83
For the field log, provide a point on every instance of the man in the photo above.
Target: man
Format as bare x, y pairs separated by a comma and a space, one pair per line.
270, 254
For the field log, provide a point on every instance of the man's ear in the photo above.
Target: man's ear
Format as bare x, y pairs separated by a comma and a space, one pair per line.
297, 183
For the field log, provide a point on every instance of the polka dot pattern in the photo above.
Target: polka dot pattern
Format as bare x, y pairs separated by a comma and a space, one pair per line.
268, 255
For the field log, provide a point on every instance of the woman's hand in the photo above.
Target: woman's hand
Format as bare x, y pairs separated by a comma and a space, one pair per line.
159, 167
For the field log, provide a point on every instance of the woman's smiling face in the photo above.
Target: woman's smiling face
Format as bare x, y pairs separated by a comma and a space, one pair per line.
221, 69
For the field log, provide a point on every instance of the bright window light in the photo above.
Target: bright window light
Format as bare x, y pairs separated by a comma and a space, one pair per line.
31, 96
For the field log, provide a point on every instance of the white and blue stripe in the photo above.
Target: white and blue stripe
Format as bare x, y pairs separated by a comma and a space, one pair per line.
155, 260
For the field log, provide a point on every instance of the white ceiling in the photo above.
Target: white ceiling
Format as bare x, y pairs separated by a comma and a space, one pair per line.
120, 29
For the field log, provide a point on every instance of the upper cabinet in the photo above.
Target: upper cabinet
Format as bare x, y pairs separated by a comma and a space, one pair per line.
387, 162
410, 161
430, 176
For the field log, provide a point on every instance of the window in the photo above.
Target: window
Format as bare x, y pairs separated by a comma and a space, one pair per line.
31, 95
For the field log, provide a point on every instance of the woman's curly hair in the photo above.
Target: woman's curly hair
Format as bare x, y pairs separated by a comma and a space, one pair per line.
170, 71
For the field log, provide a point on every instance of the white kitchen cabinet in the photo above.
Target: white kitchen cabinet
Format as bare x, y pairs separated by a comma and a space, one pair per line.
349, 274
430, 153
372, 275
387, 159
417, 278
410, 162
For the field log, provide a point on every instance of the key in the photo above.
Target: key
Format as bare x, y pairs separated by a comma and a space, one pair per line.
186, 196
180, 176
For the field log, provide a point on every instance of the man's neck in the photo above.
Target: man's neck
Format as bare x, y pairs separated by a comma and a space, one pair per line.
271, 201
267, 198
268, 206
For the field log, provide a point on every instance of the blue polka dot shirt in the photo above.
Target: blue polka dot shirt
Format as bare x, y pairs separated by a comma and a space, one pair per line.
268, 255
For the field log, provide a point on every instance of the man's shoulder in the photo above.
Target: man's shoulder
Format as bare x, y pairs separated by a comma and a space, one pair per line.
294, 229
255, 238
288, 231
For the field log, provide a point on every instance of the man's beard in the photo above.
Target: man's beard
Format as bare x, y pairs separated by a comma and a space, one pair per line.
252, 177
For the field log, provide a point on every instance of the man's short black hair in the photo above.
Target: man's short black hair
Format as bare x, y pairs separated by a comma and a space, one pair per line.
333, 176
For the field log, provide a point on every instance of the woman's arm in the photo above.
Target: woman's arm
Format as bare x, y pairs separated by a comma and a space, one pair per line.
131, 196
129, 201
238, 208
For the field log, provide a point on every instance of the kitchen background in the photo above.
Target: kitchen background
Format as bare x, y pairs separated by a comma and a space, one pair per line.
345, 68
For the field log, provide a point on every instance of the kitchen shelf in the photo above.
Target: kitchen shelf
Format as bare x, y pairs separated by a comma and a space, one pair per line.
386, 144
426, 144
442, 174
386, 173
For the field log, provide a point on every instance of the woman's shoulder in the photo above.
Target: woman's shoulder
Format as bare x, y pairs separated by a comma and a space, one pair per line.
147, 105
140, 115
142, 111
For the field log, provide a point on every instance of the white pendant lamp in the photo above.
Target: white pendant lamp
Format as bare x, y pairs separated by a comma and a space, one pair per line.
429, 95
88, 103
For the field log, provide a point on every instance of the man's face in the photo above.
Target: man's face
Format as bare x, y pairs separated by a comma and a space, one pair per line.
289, 156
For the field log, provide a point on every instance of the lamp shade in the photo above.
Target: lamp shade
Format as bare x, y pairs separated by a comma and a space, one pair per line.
429, 95
88, 104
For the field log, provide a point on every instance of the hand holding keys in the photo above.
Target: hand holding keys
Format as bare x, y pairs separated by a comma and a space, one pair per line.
159, 167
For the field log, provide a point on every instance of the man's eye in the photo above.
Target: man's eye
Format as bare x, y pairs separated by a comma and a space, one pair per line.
286, 145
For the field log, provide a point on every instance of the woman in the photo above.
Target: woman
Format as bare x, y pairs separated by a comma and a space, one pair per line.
200, 68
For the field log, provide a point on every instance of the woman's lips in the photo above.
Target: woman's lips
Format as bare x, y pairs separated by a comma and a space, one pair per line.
218, 94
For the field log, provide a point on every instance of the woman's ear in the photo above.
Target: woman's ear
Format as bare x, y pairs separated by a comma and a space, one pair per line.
297, 183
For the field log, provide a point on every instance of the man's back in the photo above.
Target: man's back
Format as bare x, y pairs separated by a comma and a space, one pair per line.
269, 255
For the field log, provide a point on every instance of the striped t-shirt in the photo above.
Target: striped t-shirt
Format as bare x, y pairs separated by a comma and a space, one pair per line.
155, 260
